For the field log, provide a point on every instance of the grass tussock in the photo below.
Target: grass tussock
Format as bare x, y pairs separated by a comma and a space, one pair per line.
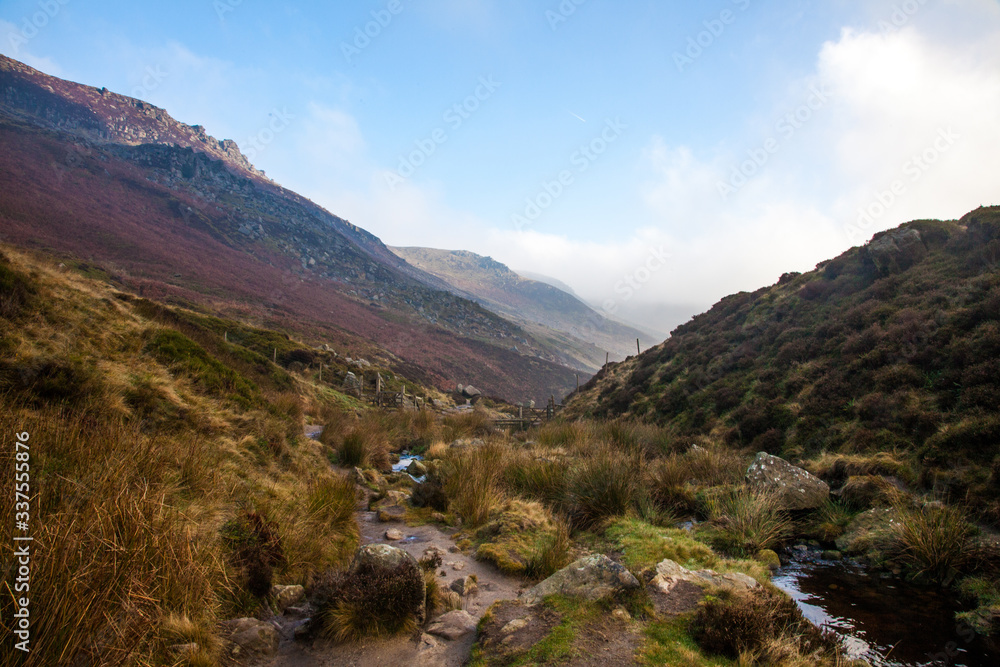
474, 482
475, 424
604, 484
369, 601
934, 543
744, 521
758, 627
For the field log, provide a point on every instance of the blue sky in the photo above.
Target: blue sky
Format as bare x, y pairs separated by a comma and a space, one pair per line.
655, 156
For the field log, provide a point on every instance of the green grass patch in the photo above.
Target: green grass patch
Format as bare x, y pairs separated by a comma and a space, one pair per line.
669, 642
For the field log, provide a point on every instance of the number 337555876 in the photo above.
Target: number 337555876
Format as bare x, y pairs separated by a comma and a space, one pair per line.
23, 485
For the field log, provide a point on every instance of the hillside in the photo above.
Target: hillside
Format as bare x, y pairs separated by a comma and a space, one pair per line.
165, 209
890, 347
545, 310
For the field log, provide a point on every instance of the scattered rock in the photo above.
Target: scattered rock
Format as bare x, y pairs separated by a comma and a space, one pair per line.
895, 251
592, 578
470, 392
393, 535
390, 514
416, 468
796, 488
465, 585
621, 615
513, 626
463, 443
457, 565
432, 558
287, 596
670, 573
440, 518
453, 625
832, 555
299, 611
370, 478
254, 636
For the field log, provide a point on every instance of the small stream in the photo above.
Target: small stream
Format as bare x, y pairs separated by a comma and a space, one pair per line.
887, 621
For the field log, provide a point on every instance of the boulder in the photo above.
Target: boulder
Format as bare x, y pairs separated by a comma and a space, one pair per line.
370, 478
465, 585
453, 625
393, 535
796, 488
471, 392
670, 573
287, 596
254, 636
416, 468
591, 578
895, 251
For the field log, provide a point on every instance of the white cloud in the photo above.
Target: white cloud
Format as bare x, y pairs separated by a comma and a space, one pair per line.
13, 44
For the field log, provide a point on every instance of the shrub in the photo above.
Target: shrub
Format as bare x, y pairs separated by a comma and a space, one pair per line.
551, 556
934, 543
537, 478
371, 600
255, 549
747, 521
738, 623
365, 444
604, 484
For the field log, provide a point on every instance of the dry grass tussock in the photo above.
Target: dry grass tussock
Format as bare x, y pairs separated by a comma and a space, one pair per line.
138, 459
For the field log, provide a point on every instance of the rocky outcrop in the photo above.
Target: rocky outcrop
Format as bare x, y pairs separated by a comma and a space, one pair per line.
591, 578
287, 596
796, 488
250, 635
895, 251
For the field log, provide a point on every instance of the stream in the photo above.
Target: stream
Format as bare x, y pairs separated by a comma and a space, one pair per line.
887, 621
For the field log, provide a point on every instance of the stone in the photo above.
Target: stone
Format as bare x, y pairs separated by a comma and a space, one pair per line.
795, 488
832, 555
254, 636
287, 596
470, 392
457, 565
593, 577
390, 514
393, 535
621, 615
299, 611
416, 468
453, 625
513, 626
432, 557
670, 573
370, 478
465, 585
895, 251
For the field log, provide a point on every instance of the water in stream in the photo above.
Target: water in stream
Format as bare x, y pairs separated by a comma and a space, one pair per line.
888, 622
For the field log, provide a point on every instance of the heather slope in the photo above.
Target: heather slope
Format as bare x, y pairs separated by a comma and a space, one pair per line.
893, 346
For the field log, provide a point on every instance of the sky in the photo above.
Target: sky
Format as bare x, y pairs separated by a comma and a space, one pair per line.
656, 156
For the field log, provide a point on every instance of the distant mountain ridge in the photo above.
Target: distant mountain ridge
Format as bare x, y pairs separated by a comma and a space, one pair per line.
532, 303
173, 212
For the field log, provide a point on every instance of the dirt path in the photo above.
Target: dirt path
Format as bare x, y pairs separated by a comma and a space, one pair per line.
420, 649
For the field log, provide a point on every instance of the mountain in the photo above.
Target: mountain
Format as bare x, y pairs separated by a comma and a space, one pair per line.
548, 312
161, 207
893, 346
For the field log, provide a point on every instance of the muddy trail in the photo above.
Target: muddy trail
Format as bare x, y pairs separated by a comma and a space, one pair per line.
420, 648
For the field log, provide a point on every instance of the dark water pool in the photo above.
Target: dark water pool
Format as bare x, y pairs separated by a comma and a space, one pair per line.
888, 622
